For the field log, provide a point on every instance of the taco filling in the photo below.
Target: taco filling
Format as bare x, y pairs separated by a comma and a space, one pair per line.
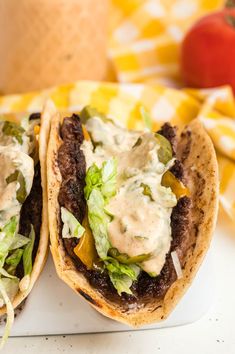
20, 207
124, 206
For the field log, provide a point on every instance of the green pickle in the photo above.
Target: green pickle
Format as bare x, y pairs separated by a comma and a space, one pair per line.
13, 177
88, 112
13, 129
165, 150
21, 193
152, 274
125, 259
146, 190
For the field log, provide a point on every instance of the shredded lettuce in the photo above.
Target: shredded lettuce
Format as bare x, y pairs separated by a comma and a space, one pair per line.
18, 241
114, 266
10, 239
27, 254
71, 227
8, 231
8, 290
103, 179
14, 259
98, 221
122, 278
6, 274
109, 176
10, 256
93, 180
100, 187
122, 283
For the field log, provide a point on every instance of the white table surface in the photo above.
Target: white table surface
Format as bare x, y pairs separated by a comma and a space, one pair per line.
214, 333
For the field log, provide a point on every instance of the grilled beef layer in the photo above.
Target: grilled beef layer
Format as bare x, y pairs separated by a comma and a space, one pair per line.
72, 166
31, 214
31, 211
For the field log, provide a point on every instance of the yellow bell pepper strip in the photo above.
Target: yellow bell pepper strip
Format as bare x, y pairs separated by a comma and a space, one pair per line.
177, 187
85, 133
85, 249
36, 129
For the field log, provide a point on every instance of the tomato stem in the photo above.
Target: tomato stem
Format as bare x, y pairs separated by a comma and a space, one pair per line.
230, 20
230, 3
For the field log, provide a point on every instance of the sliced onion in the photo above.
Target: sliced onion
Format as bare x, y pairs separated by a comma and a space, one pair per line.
24, 283
177, 265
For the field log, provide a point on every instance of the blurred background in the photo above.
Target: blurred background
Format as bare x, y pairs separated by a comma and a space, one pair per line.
46, 43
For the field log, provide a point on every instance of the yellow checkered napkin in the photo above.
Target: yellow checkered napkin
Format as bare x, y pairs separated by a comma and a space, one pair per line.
215, 108
145, 36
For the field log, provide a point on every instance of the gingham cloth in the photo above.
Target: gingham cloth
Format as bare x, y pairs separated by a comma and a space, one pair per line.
215, 108
145, 37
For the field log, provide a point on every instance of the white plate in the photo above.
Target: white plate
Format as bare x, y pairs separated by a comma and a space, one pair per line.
53, 308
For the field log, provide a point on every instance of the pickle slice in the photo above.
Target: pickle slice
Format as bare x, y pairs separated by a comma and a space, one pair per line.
125, 259
177, 187
89, 112
165, 150
13, 129
146, 190
21, 192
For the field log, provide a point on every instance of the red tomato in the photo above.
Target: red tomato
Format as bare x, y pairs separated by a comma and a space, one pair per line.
208, 51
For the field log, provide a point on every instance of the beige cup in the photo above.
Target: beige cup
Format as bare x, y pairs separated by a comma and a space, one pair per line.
50, 42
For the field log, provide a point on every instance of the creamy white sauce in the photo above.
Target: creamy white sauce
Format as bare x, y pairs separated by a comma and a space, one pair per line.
28, 142
141, 223
112, 138
11, 141
11, 159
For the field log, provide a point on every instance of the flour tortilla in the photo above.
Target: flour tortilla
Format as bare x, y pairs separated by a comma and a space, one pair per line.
201, 168
42, 251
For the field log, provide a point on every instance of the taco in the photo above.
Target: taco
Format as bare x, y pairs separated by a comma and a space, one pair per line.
23, 208
131, 213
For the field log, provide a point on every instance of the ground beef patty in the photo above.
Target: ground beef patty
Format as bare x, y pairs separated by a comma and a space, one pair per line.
31, 211
31, 214
72, 166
